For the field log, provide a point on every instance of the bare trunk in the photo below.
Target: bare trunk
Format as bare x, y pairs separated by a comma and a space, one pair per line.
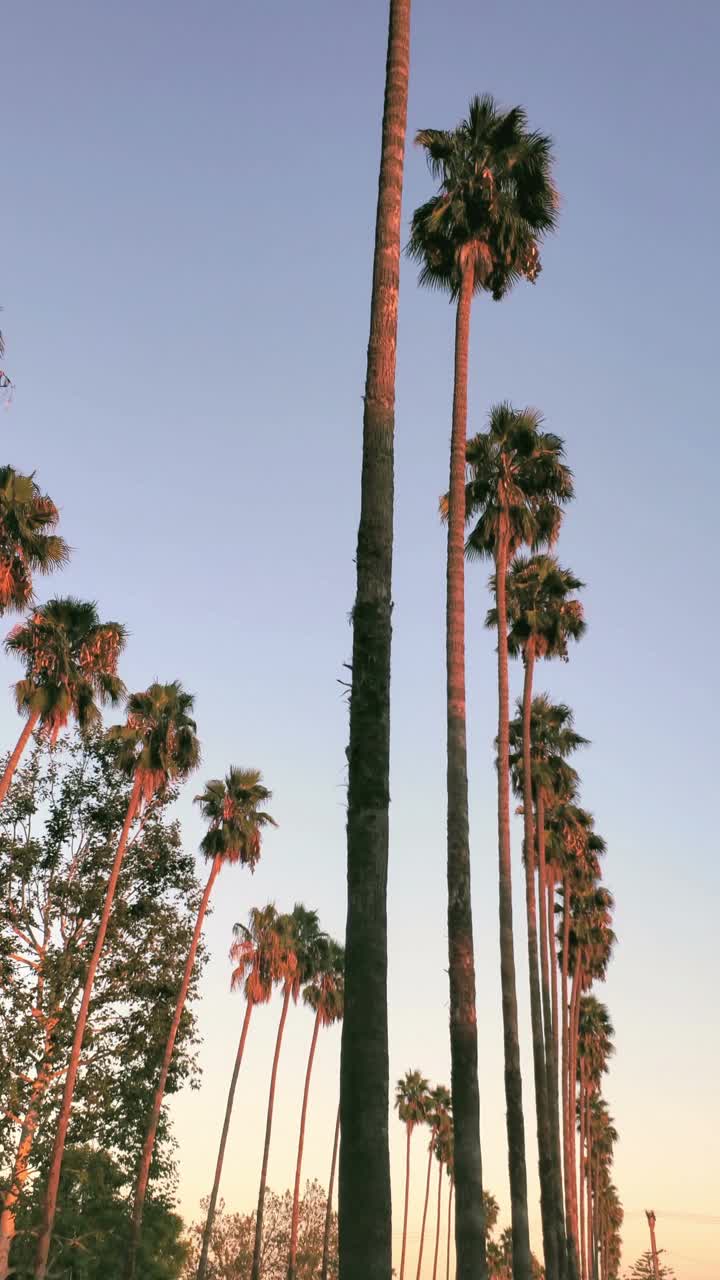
365, 1206
572, 1098
437, 1225
589, 1192
425, 1209
207, 1233
565, 1088
268, 1131
14, 760
450, 1201
547, 952
513, 1077
407, 1199
328, 1207
469, 1216
51, 1191
583, 1240
292, 1261
149, 1144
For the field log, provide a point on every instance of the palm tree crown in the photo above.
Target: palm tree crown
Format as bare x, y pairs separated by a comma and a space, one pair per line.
158, 744
71, 658
231, 806
324, 988
496, 201
27, 543
412, 1099
256, 954
540, 609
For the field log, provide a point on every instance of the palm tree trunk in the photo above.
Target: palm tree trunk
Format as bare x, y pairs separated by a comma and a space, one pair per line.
328, 1207
513, 1077
425, 1209
469, 1215
14, 760
407, 1200
589, 1192
572, 1099
450, 1201
207, 1233
583, 1239
149, 1144
544, 1135
51, 1191
549, 1015
268, 1131
365, 1212
437, 1226
292, 1261
554, 965
565, 1087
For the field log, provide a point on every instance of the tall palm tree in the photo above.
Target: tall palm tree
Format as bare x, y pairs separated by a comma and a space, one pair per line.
437, 1118
328, 1207
412, 1102
365, 1215
231, 806
516, 490
323, 992
299, 943
258, 961
27, 542
70, 660
479, 233
443, 1153
157, 745
543, 615
595, 1047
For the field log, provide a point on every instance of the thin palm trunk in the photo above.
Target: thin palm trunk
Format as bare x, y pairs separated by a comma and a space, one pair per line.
572, 1096
469, 1216
207, 1233
328, 1207
149, 1144
583, 1239
292, 1261
425, 1209
51, 1191
365, 1205
513, 1077
554, 965
14, 760
437, 1225
257, 1251
589, 1193
549, 1019
565, 1087
407, 1199
542, 1107
450, 1203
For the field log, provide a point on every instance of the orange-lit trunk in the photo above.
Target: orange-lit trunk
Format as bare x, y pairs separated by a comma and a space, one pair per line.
149, 1144
328, 1207
437, 1225
408, 1136
292, 1261
257, 1251
581, 1171
449, 1237
547, 952
14, 760
572, 1098
51, 1191
425, 1209
565, 1088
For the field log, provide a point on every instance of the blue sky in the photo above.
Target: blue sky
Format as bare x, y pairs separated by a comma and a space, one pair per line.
187, 219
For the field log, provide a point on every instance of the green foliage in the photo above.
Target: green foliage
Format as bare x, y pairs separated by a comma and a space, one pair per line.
27, 543
231, 807
412, 1099
158, 744
642, 1269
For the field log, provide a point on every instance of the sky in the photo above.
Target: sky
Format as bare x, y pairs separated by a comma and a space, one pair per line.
187, 216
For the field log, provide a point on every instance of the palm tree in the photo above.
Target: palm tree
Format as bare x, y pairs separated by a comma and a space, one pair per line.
299, 942
364, 1209
328, 1208
258, 961
479, 233
70, 660
542, 616
323, 992
236, 821
156, 746
595, 1047
412, 1102
27, 543
437, 1117
443, 1154
517, 486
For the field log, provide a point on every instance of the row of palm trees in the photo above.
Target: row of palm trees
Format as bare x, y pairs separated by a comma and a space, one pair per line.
417, 1104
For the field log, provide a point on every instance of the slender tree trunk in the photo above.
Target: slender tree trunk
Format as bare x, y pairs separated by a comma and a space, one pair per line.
589, 1191
292, 1261
365, 1209
565, 1087
51, 1191
513, 1077
14, 760
469, 1213
450, 1202
268, 1131
149, 1144
437, 1225
572, 1098
548, 950
408, 1135
328, 1207
207, 1233
554, 965
583, 1238
542, 1108
425, 1209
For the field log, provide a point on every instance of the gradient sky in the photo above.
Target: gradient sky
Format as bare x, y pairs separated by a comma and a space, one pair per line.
186, 223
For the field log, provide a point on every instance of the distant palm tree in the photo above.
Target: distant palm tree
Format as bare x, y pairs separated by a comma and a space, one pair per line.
479, 233
27, 543
299, 941
157, 745
412, 1102
514, 496
595, 1047
236, 821
443, 1155
328, 1208
323, 992
437, 1118
258, 962
70, 660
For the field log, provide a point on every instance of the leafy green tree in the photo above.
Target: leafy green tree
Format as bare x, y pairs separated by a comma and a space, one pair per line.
28, 544
232, 1241
479, 233
157, 746
412, 1103
236, 821
70, 660
642, 1269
